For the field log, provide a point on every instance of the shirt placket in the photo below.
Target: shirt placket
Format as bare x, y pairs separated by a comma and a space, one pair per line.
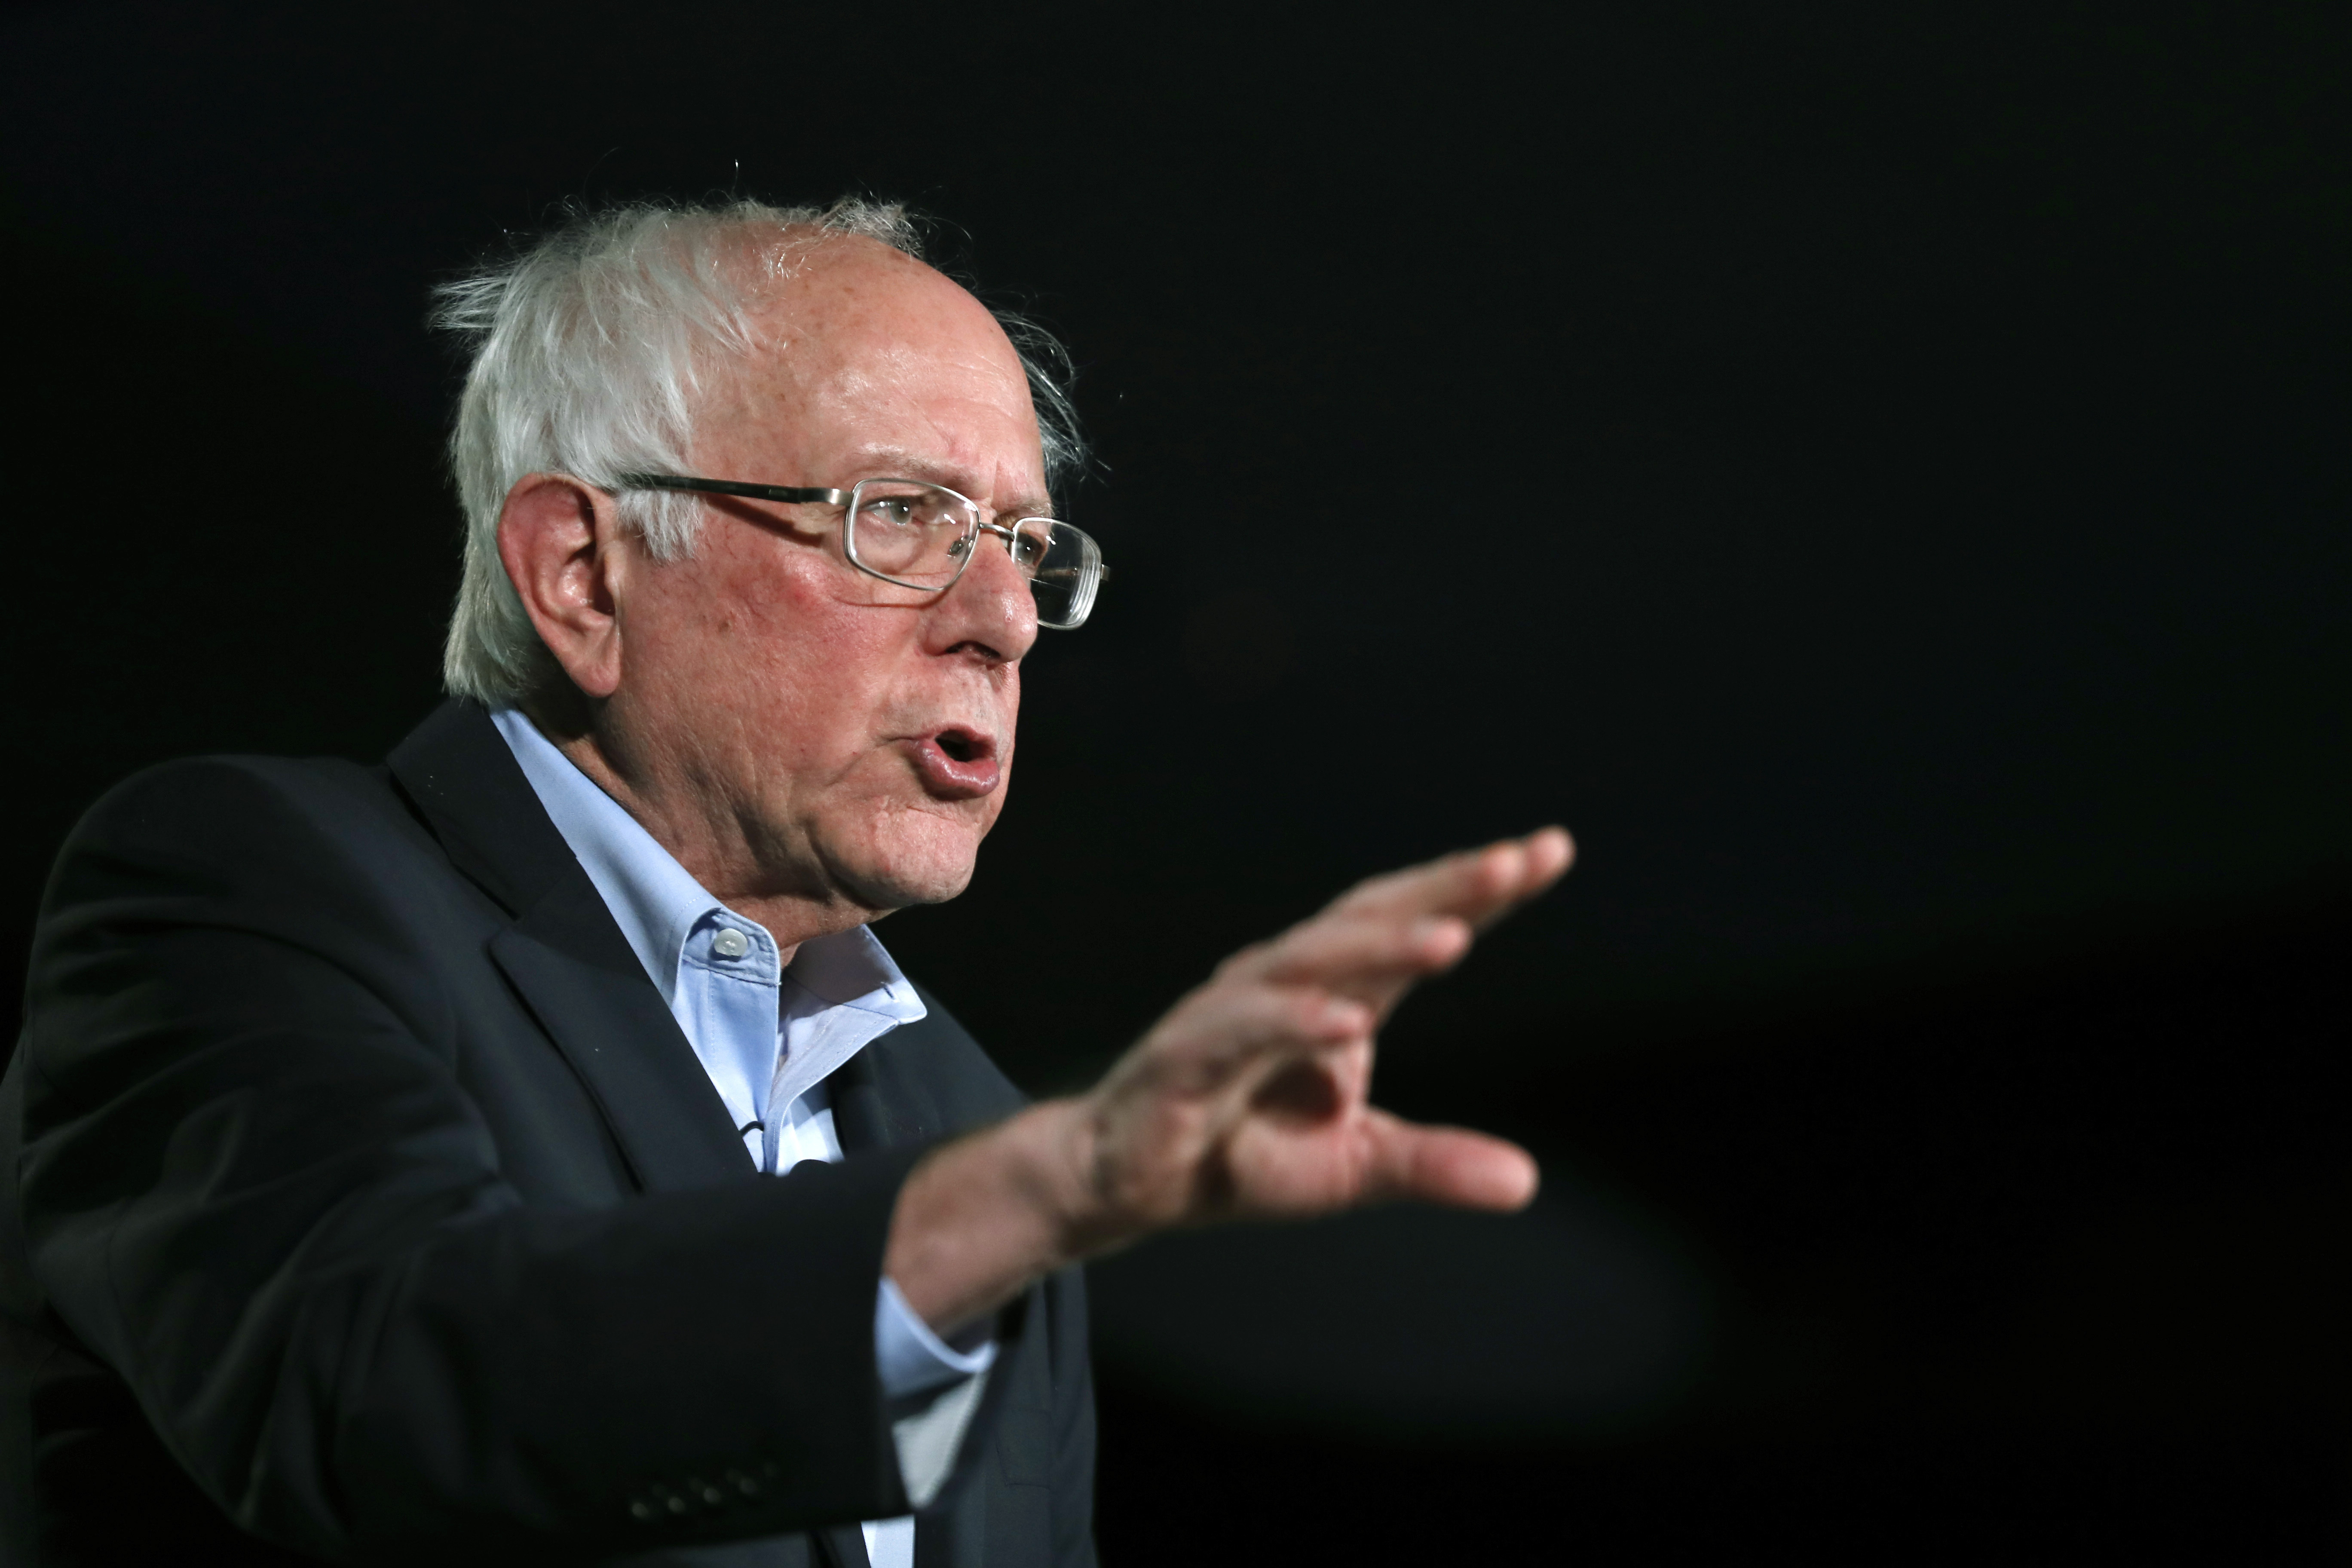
730, 974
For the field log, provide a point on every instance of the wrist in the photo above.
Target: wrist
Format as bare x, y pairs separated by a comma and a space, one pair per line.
1066, 1186
983, 1216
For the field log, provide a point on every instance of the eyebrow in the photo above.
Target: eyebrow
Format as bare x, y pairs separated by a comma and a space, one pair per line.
898, 463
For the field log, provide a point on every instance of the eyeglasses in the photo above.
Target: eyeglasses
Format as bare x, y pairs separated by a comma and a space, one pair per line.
924, 536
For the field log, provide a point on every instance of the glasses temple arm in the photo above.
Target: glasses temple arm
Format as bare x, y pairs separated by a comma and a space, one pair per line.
790, 495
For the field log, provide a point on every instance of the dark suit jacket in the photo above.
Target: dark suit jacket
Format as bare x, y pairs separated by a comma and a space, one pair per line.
357, 1188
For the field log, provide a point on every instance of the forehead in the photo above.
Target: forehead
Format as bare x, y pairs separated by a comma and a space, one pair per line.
864, 356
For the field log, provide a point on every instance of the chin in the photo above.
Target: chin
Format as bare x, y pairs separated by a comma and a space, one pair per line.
925, 862
899, 889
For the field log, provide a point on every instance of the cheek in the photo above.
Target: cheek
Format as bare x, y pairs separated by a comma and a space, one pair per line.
809, 672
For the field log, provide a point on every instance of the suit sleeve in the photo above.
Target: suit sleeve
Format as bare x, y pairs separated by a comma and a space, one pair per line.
254, 1183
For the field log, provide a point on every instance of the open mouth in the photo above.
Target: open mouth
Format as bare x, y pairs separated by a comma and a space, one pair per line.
957, 763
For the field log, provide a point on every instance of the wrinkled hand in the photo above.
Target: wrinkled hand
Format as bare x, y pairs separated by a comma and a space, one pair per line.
1247, 1099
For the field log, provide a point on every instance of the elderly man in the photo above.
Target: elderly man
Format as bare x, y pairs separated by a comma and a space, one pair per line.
525, 1149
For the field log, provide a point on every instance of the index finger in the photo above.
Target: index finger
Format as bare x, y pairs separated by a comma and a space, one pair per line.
1479, 886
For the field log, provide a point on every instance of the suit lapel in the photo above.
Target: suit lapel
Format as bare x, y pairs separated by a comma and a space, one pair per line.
841, 1546
881, 1097
566, 957
860, 1119
610, 1024
889, 1092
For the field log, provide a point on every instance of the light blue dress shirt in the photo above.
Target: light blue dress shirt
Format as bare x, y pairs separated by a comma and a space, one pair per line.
769, 1034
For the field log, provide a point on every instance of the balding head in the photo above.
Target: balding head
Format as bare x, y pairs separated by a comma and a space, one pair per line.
883, 362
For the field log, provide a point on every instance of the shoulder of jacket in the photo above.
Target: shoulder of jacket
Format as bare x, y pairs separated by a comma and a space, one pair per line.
232, 811
272, 788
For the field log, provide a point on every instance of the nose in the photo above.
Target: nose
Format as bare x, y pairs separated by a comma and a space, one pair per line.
991, 607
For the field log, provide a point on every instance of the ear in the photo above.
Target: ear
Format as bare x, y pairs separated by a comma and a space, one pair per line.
559, 539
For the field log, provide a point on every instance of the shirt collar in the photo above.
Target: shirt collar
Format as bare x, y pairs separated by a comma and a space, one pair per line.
657, 903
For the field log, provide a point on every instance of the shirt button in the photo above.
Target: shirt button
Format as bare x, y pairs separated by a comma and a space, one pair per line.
730, 943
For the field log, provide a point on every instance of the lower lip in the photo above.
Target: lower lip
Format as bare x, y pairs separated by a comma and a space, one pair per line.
946, 778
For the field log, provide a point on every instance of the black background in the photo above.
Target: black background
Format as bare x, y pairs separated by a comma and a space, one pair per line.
1877, 473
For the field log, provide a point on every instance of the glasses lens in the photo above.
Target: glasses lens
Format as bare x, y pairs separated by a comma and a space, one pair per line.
916, 533
1064, 568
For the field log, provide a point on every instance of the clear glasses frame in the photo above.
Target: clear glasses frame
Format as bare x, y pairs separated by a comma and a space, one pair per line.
1063, 564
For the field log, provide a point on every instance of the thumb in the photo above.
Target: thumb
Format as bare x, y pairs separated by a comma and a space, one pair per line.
1450, 1166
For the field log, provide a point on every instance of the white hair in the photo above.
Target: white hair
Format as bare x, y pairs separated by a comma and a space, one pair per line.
589, 349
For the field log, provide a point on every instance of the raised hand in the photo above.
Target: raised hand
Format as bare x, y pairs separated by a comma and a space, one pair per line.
1249, 1097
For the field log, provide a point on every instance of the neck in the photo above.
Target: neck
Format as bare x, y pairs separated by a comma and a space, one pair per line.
710, 842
